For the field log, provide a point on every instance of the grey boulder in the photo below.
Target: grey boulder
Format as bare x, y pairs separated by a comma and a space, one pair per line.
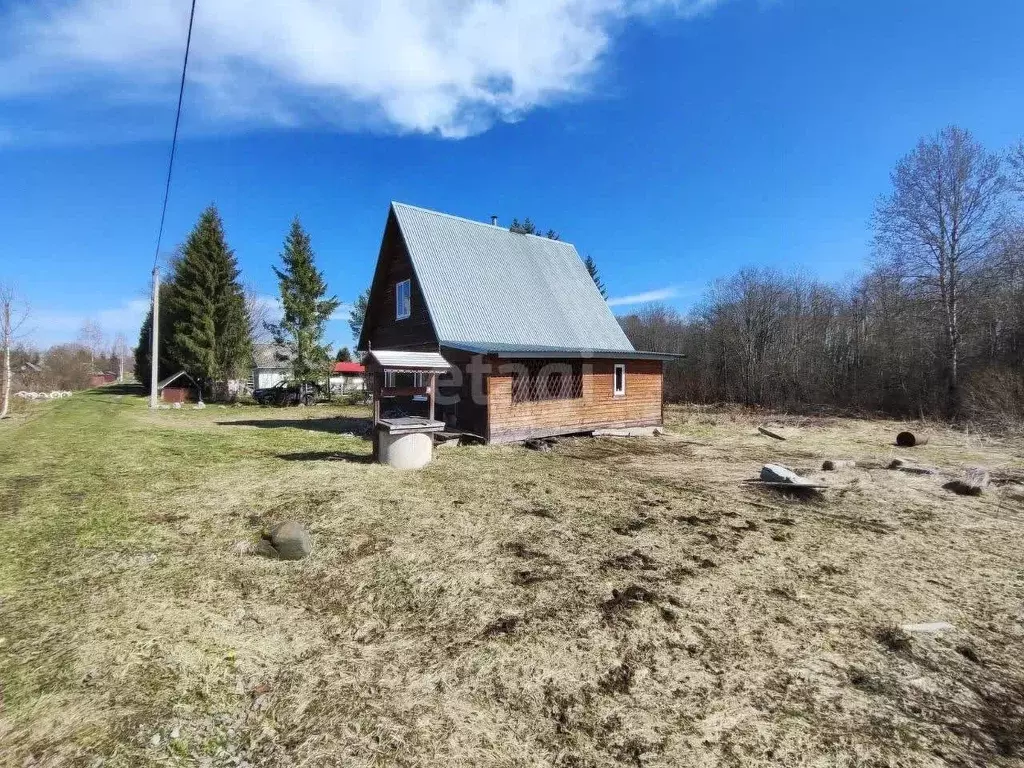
291, 541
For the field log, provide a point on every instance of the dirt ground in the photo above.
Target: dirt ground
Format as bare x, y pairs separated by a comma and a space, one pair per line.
611, 602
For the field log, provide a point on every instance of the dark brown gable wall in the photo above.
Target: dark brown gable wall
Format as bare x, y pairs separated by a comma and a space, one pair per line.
383, 331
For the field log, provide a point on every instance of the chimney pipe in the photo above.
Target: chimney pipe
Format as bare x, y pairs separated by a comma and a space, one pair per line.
494, 219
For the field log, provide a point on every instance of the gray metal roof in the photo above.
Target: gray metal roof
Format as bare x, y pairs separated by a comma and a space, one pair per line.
172, 378
532, 350
415, 361
266, 356
485, 286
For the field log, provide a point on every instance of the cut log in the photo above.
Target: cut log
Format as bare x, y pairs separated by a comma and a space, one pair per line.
768, 432
833, 464
909, 440
973, 483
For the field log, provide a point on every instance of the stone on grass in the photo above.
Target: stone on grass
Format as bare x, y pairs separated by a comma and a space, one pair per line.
291, 540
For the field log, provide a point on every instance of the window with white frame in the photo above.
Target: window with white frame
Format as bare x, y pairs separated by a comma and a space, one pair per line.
403, 299
404, 379
620, 379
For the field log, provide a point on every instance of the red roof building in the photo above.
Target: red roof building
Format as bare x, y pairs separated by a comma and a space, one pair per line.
349, 368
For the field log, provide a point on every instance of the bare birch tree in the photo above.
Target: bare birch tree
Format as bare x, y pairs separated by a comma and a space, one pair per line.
90, 336
261, 312
120, 351
939, 224
13, 315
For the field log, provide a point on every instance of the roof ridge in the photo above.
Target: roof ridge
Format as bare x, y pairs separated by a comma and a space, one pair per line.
478, 223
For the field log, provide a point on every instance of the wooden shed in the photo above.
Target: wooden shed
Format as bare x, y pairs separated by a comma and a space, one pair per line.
534, 349
179, 388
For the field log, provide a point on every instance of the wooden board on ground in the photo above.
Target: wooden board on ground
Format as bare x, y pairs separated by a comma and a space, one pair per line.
830, 465
903, 465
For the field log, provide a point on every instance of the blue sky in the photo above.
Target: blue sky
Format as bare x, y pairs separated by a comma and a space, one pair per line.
674, 140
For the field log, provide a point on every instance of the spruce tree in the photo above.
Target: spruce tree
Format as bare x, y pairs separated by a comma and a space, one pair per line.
357, 315
591, 266
211, 337
306, 307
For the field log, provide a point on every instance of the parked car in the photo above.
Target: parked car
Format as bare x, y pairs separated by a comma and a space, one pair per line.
288, 393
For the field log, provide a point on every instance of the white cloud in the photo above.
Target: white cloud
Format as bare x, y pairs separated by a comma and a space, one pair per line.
449, 67
659, 294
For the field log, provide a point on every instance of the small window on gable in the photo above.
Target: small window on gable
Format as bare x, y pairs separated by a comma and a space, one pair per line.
403, 300
620, 379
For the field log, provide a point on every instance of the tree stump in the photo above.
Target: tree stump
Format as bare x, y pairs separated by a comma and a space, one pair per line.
973, 483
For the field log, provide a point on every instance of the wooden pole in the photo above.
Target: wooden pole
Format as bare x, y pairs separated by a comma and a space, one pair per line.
378, 373
433, 387
154, 362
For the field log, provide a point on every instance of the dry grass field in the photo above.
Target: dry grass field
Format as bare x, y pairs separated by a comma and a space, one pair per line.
612, 602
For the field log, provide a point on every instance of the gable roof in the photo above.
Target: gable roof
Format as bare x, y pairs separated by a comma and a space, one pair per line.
269, 356
174, 377
488, 288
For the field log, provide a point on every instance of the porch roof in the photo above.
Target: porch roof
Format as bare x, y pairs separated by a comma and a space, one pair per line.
398, 360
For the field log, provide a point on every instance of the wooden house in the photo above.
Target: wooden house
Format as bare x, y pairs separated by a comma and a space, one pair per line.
271, 364
534, 349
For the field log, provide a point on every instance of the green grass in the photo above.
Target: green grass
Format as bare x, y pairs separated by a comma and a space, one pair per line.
610, 602
86, 485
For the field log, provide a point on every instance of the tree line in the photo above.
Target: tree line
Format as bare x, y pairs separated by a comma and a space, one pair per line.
208, 323
934, 326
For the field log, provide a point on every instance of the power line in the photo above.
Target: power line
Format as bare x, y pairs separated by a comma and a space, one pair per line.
154, 332
174, 140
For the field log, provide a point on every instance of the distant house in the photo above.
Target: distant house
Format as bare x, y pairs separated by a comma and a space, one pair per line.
102, 378
534, 349
270, 365
28, 375
348, 377
179, 388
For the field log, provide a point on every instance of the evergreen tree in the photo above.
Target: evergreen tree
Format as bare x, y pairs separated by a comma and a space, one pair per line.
357, 315
306, 306
344, 356
527, 227
211, 335
591, 266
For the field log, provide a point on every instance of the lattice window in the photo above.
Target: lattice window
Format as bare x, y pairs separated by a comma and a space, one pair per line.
546, 381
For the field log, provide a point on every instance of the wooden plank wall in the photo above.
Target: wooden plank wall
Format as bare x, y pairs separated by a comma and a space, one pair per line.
597, 409
384, 331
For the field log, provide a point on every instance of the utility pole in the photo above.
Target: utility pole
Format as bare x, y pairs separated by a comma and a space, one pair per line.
154, 362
